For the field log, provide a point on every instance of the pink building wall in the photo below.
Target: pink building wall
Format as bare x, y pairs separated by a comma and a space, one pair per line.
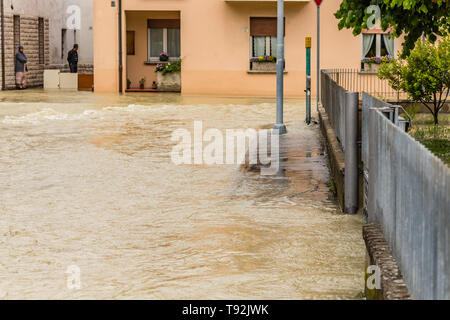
215, 44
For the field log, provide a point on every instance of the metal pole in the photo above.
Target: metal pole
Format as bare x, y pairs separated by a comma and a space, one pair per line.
351, 153
371, 208
308, 79
2, 9
280, 67
318, 56
120, 48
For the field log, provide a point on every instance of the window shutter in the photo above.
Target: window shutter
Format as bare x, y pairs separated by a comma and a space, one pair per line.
164, 23
264, 27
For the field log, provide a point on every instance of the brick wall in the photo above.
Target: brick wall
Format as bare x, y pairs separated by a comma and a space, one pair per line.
29, 38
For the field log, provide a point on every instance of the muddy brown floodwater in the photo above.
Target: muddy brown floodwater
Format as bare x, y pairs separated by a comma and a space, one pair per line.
87, 181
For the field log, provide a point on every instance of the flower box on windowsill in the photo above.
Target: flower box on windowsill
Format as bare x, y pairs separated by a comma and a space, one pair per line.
265, 66
371, 68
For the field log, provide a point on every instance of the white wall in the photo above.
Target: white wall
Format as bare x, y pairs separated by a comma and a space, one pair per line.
85, 36
55, 11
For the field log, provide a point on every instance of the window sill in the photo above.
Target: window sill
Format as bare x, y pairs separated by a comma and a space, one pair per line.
155, 62
263, 72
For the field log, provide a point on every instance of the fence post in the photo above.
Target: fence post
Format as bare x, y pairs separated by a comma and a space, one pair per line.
371, 214
351, 153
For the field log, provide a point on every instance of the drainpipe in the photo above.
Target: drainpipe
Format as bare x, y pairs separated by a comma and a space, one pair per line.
2, 9
120, 48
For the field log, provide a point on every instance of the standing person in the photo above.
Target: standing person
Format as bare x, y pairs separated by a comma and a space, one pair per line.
21, 68
72, 58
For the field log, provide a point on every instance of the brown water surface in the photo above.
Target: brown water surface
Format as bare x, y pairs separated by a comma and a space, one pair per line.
87, 180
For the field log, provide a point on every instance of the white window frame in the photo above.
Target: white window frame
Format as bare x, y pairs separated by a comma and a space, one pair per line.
156, 59
378, 40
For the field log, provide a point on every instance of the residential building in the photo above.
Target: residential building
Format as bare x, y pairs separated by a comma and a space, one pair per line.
216, 40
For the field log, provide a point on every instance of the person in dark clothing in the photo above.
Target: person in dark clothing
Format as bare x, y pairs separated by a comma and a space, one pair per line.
72, 58
21, 68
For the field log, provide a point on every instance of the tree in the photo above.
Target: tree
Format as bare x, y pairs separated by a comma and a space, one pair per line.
424, 75
413, 18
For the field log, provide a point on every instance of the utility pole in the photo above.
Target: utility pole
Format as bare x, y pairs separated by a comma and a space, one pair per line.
308, 79
279, 125
318, 3
2, 9
120, 48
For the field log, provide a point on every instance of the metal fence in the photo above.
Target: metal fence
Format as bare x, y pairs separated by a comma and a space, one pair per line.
333, 101
362, 81
341, 107
409, 195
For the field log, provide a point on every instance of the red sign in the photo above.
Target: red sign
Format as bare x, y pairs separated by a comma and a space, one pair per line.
318, 2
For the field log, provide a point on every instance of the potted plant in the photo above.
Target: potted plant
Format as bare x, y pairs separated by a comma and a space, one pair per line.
163, 57
128, 83
168, 76
264, 63
372, 64
142, 83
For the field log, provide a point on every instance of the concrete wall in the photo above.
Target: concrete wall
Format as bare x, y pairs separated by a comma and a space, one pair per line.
215, 44
85, 36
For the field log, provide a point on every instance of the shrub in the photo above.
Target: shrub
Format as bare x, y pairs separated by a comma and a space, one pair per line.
424, 75
170, 67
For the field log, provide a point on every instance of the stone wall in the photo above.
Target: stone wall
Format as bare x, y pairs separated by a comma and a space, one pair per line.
29, 38
392, 285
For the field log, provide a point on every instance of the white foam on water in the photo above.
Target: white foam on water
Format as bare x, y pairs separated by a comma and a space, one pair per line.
137, 108
47, 114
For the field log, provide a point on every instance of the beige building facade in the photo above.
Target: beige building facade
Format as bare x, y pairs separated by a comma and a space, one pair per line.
216, 41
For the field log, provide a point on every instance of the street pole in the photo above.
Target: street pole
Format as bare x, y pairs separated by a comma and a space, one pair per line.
120, 48
308, 79
280, 67
2, 9
318, 57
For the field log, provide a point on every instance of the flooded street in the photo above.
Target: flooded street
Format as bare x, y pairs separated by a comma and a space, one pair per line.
88, 181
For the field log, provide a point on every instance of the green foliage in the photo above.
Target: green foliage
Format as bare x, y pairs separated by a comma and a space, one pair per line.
413, 110
424, 75
169, 67
142, 81
410, 17
436, 139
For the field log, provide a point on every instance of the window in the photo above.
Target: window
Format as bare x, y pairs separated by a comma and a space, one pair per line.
263, 34
41, 41
263, 42
16, 32
164, 36
377, 45
130, 43
63, 43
